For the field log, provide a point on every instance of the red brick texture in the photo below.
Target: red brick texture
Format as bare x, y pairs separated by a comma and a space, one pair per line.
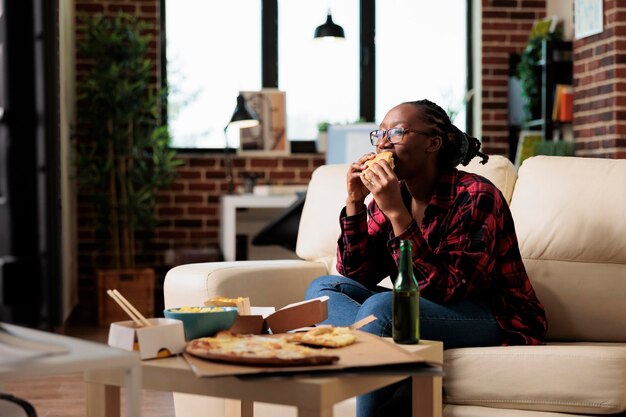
188, 210
600, 87
505, 28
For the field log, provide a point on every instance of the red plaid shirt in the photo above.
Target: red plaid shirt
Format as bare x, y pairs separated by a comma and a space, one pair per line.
465, 248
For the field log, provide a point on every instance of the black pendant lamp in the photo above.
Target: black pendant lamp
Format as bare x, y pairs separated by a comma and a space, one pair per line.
329, 29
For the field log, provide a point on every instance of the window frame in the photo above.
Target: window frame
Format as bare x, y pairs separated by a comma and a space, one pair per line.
367, 64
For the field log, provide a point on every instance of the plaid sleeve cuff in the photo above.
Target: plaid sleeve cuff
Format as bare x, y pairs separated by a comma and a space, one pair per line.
353, 229
414, 234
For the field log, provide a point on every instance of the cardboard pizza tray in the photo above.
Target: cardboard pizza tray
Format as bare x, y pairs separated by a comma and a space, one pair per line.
369, 354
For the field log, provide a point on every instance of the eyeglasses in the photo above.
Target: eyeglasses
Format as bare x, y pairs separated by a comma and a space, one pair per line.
394, 135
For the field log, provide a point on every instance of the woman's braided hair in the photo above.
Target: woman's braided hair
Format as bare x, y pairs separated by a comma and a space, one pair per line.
458, 147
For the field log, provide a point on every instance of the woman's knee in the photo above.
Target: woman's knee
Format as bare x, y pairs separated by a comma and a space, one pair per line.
326, 282
378, 305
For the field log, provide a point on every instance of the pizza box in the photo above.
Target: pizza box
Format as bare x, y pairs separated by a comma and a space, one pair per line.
368, 354
290, 317
164, 337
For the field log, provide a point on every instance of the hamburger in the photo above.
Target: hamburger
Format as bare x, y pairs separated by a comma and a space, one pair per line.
382, 156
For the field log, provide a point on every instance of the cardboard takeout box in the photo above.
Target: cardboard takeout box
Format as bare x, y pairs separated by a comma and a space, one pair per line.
290, 317
165, 337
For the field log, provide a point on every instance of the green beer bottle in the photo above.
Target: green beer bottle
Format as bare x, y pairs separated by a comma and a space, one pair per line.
406, 298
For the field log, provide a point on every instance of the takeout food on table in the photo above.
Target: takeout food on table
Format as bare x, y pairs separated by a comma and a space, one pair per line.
242, 303
163, 337
203, 321
325, 336
257, 320
152, 338
277, 350
186, 309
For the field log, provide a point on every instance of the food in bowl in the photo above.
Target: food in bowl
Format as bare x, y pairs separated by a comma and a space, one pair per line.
202, 321
225, 301
196, 309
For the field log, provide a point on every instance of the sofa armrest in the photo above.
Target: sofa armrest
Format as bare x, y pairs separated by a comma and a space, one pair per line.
267, 283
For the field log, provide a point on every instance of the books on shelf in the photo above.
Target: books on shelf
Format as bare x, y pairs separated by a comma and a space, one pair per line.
563, 109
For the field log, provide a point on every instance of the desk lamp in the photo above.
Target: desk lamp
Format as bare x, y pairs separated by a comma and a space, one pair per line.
243, 116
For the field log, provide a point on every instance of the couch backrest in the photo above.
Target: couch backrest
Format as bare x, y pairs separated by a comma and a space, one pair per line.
570, 217
326, 196
499, 170
319, 223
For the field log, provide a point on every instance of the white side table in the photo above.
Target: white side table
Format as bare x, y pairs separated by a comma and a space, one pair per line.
81, 356
313, 396
228, 215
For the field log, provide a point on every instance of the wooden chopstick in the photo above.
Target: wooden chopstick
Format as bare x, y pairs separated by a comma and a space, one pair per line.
123, 306
128, 308
363, 322
132, 308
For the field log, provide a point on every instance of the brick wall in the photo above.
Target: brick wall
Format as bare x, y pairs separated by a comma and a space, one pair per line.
189, 209
505, 28
600, 87
89, 253
599, 76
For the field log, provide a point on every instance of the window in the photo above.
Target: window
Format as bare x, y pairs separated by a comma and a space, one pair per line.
420, 53
214, 50
320, 78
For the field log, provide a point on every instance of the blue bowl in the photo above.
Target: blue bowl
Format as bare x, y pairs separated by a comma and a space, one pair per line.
205, 323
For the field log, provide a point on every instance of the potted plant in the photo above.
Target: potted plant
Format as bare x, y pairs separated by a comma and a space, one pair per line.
122, 154
322, 136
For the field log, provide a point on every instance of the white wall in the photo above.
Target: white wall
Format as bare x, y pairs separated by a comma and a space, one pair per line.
564, 9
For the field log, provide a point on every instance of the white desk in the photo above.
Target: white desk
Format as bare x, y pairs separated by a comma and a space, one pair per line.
228, 215
81, 356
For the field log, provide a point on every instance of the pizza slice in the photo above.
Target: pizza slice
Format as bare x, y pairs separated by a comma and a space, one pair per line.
256, 350
325, 336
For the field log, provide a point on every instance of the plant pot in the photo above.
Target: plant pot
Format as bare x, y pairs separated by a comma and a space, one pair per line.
136, 285
322, 139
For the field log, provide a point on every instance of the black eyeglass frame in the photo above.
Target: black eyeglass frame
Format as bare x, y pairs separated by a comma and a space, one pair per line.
375, 138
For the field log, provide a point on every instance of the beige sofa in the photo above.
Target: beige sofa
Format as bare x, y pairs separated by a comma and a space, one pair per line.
570, 216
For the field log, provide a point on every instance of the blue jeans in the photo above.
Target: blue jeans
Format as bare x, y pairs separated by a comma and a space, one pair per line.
467, 323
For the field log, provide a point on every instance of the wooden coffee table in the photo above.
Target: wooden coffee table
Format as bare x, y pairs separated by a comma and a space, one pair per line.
313, 396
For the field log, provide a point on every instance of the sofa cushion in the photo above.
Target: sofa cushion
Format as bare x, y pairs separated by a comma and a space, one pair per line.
499, 170
319, 223
569, 378
192, 284
450, 410
571, 227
